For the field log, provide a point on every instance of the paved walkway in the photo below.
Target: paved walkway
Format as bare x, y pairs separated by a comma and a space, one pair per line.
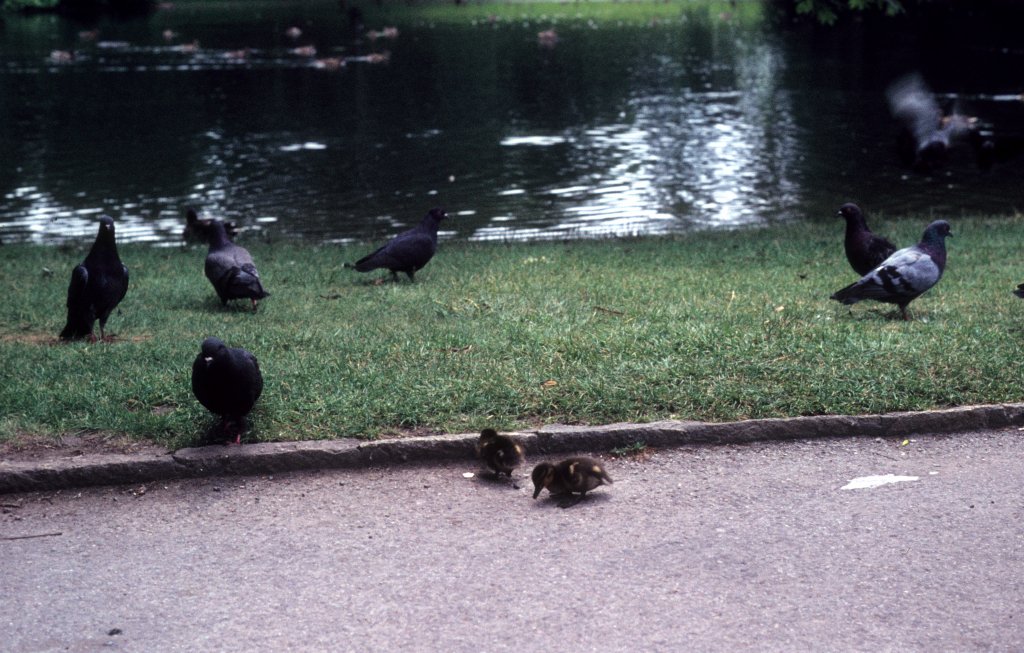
695, 548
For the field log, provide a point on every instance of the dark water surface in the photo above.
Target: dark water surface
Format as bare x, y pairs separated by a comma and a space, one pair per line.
704, 121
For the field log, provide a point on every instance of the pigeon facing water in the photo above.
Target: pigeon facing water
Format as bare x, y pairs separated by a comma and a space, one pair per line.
864, 250
407, 252
199, 230
230, 269
905, 275
97, 286
227, 381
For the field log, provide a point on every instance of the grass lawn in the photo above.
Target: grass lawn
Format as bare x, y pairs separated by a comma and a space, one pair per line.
709, 326
553, 13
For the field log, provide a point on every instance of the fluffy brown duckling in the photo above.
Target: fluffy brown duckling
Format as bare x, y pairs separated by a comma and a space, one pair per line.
500, 453
571, 476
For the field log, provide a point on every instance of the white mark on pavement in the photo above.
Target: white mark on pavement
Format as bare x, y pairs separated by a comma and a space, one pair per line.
870, 482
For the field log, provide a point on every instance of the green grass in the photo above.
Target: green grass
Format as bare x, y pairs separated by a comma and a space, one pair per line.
711, 326
607, 11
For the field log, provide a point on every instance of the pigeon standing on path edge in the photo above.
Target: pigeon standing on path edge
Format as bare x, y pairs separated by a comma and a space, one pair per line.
227, 382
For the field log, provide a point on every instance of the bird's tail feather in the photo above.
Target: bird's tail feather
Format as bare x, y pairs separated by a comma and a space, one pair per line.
848, 295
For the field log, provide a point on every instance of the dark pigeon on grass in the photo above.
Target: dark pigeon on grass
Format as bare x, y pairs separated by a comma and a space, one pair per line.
230, 269
407, 252
864, 250
227, 381
1019, 291
199, 230
905, 275
97, 286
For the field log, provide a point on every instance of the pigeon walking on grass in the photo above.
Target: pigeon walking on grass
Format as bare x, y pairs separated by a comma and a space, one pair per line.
97, 286
230, 269
227, 381
864, 250
407, 252
905, 275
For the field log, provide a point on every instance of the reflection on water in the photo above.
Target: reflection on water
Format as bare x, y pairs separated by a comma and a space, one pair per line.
700, 122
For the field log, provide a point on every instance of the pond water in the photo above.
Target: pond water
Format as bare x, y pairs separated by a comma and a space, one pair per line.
702, 121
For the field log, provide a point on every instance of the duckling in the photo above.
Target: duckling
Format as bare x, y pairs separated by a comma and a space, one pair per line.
499, 452
573, 475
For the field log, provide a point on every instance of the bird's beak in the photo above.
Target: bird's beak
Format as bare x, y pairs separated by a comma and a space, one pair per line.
536, 491
208, 359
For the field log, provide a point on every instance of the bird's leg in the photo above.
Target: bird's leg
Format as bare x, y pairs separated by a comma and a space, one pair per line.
903, 312
253, 304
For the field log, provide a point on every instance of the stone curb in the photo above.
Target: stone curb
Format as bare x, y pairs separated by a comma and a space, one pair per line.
275, 457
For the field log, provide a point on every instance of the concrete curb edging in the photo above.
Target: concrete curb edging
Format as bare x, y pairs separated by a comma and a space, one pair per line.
275, 457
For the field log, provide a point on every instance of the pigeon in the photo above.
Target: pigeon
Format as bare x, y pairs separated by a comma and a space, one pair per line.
97, 286
904, 276
573, 475
230, 269
499, 452
864, 250
929, 134
199, 230
227, 381
1019, 291
407, 252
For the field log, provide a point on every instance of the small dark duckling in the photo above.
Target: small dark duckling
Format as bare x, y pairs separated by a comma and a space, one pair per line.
573, 475
500, 453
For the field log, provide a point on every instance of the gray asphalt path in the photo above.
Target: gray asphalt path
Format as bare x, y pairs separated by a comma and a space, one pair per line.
752, 547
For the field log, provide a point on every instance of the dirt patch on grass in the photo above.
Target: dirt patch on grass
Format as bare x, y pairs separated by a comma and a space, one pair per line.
412, 432
27, 447
50, 339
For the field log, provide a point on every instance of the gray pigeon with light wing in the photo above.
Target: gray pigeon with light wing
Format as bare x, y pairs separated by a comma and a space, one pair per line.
904, 276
